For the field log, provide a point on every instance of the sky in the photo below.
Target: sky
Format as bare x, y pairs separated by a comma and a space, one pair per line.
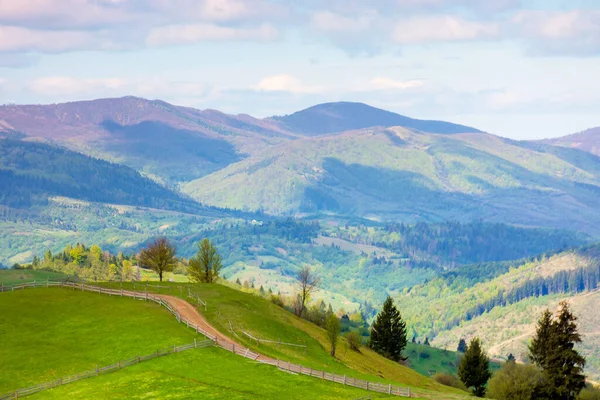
521, 69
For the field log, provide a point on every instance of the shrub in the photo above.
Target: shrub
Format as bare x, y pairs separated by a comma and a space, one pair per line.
449, 380
517, 382
275, 299
424, 355
589, 393
354, 341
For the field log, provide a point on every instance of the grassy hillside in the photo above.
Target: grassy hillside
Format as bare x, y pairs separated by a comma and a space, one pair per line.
48, 333
208, 374
229, 308
15, 276
399, 174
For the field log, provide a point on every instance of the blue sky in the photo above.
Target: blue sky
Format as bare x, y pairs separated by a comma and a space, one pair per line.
521, 69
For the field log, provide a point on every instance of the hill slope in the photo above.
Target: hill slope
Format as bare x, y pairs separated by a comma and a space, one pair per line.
345, 116
405, 175
588, 140
30, 172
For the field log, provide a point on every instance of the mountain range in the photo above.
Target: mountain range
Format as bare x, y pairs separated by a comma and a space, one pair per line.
346, 159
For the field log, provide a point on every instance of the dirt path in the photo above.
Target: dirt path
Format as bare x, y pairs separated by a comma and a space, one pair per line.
189, 312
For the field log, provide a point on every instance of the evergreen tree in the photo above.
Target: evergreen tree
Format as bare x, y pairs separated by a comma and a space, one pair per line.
553, 350
462, 346
426, 342
511, 358
388, 333
474, 368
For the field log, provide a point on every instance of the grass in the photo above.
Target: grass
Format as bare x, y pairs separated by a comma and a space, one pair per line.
16, 276
263, 319
210, 373
48, 333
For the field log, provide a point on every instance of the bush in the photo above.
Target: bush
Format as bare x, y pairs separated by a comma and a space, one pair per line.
424, 355
449, 380
354, 341
517, 382
277, 300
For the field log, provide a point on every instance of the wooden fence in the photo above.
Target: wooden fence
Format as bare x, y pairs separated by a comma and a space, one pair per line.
343, 379
239, 350
103, 370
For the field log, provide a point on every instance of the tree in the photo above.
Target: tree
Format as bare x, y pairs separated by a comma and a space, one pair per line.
561, 364
354, 341
539, 348
511, 358
517, 382
159, 256
332, 326
462, 346
426, 342
206, 264
474, 368
307, 283
388, 332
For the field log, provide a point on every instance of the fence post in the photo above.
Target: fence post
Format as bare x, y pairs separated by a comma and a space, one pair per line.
390, 389
367, 385
34, 285
174, 349
323, 374
408, 392
119, 364
82, 287
195, 344
344, 379
12, 287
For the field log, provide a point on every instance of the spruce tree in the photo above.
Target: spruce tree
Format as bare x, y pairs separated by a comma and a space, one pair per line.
474, 368
553, 350
388, 332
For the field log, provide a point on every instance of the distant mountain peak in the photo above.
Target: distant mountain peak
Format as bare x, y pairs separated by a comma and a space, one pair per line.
342, 116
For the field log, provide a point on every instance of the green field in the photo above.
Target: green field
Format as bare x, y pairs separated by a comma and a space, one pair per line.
15, 276
209, 373
48, 333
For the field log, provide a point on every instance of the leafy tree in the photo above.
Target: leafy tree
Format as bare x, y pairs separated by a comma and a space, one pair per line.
307, 283
462, 346
332, 326
206, 264
159, 256
553, 350
511, 358
474, 368
388, 333
517, 382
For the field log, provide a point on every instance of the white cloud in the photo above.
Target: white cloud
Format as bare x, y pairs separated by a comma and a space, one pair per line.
17, 39
285, 83
328, 21
442, 29
181, 34
65, 85
382, 83
63, 14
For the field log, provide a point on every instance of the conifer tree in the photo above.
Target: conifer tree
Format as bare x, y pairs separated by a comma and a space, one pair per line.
474, 368
388, 333
553, 350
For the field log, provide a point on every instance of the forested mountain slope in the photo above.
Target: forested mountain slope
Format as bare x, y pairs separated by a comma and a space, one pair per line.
31, 172
346, 116
588, 140
403, 175
503, 308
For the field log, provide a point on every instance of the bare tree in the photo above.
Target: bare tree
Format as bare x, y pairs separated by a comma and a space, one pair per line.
307, 283
159, 256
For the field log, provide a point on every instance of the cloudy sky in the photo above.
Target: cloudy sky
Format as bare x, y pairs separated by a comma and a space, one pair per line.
521, 69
